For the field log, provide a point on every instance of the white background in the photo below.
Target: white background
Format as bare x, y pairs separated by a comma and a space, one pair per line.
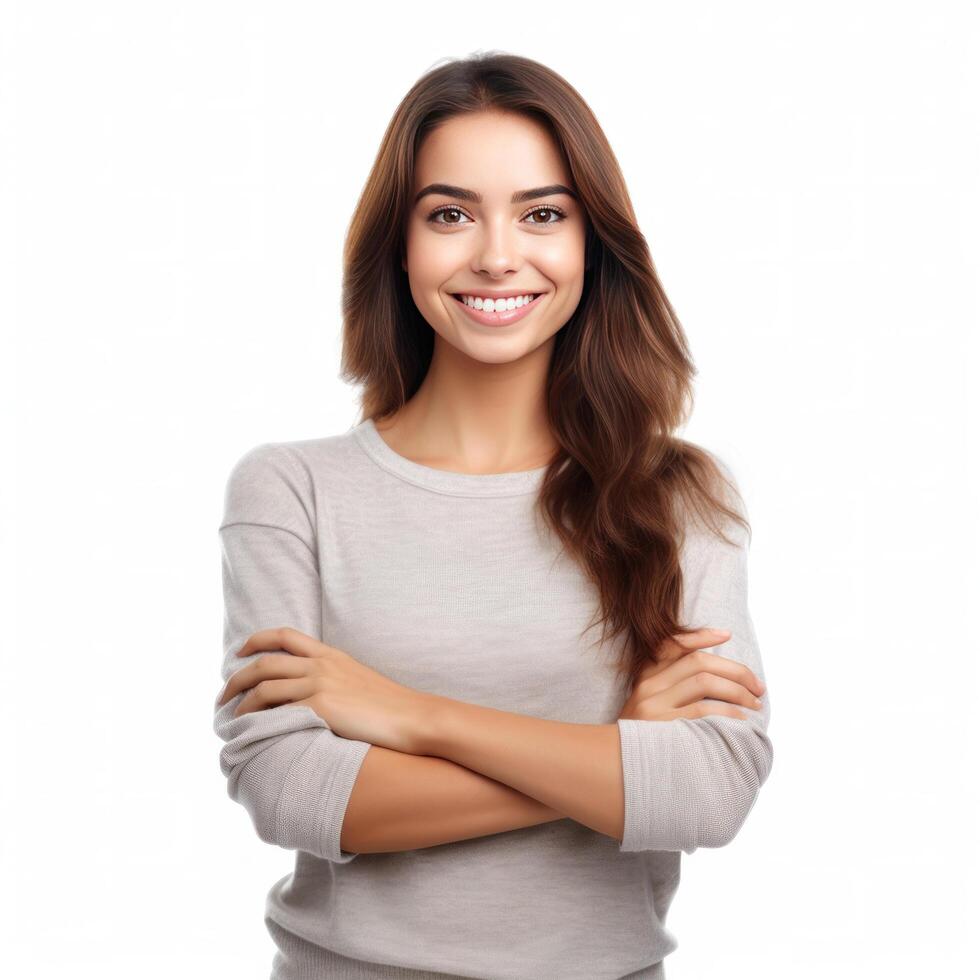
175, 183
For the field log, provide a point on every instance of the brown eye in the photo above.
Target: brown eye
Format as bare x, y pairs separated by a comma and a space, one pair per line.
559, 215
434, 217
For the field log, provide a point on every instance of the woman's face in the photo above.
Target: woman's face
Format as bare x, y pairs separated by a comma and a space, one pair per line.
494, 246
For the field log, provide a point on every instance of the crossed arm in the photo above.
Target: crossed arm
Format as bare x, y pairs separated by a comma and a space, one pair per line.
486, 771
650, 785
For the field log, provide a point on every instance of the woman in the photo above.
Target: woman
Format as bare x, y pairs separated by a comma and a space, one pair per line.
475, 782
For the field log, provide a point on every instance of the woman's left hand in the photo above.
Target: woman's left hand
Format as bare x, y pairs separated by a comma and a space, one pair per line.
355, 701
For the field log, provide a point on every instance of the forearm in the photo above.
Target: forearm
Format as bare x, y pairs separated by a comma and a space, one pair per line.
574, 769
402, 801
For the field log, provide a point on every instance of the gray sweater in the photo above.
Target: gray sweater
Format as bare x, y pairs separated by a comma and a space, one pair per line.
443, 582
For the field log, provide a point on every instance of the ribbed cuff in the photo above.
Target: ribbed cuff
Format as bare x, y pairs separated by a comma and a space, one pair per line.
316, 791
638, 783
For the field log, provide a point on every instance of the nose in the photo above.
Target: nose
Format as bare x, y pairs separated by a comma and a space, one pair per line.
497, 252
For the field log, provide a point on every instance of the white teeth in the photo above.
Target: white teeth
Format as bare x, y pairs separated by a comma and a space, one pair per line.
499, 305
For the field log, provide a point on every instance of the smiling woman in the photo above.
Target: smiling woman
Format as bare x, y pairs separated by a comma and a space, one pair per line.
477, 693
515, 230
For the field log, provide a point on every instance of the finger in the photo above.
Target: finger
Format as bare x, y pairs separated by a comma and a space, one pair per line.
705, 684
272, 693
678, 644
279, 638
704, 708
726, 667
268, 667
707, 636
262, 641
675, 671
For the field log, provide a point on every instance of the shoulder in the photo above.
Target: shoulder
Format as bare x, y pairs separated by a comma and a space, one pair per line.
283, 483
271, 483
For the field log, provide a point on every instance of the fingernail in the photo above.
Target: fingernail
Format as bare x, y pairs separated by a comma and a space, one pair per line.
758, 703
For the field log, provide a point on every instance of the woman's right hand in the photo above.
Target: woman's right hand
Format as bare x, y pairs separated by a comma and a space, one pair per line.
687, 673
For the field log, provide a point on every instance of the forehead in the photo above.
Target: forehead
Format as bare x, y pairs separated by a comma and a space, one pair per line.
494, 153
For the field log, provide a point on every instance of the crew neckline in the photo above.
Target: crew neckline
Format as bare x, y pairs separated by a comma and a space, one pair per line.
445, 481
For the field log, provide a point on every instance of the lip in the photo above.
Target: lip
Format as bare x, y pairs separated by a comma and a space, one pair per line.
495, 319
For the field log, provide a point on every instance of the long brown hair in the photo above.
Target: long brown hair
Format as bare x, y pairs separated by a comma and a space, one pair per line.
623, 487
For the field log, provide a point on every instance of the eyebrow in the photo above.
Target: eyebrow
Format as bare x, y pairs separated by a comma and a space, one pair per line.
449, 190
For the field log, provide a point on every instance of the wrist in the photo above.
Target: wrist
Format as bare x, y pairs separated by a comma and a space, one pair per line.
433, 722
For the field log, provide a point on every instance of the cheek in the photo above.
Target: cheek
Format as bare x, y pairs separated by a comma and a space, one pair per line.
433, 258
561, 258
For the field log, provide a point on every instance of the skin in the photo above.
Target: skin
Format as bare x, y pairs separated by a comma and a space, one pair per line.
481, 409
481, 406
574, 770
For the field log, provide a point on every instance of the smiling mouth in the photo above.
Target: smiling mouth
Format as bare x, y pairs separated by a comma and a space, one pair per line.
494, 318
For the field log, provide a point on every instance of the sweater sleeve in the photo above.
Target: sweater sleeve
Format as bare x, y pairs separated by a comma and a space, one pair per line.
691, 782
283, 764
